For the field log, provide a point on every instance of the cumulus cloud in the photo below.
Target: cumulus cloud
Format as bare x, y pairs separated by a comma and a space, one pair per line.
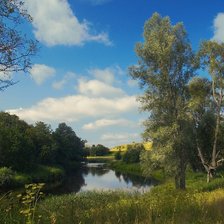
61, 83
41, 72
106, 123
219, 28
132, 83
119, 137
97, 88
74, 108
106, 75
55, 24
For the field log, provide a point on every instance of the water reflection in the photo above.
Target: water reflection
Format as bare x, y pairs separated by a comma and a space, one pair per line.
97, 177
100, 178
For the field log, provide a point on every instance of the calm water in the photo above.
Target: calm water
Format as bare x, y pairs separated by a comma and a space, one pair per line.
94, 176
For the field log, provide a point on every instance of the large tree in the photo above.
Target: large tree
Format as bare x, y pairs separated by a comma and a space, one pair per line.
16, 148
69, 147
211, 56
164, 69
16, 48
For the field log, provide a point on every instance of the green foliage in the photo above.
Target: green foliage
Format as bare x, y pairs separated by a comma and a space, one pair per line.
161, 205
41, 135
130, 168
23, 147
16, 148
164, 69
47, 174
97, 150
118, 155
68, 146
6, 176
132, 155
29, 201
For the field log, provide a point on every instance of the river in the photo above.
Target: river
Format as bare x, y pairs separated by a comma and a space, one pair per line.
94, 176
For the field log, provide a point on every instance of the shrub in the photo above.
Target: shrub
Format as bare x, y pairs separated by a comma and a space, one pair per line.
6, 176
117, 155
132, 155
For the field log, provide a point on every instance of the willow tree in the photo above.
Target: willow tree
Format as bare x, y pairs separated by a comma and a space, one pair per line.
163, 70
211, 56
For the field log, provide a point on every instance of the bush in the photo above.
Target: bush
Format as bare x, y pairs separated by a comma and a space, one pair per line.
117, 155
132, 155
6, 176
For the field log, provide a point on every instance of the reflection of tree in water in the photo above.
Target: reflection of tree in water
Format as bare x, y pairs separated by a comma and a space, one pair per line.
118, 175
72, 184
99, 171
137, 181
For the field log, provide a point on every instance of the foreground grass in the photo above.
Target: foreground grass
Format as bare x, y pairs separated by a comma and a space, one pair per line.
162, 205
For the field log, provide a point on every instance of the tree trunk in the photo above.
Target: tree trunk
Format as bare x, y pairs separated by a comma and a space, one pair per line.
177, 184
209, 175
182, 177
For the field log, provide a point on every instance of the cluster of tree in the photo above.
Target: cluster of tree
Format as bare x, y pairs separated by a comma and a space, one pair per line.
96, 150
132, 154
185, 110
22, 146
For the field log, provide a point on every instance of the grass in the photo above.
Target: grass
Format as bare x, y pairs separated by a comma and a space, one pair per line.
132, 168
135, 168
163, 204
47, 174
41, 173
100, 159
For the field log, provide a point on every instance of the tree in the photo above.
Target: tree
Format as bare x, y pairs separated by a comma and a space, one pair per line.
99, 150
41, 135
211, 56
16, 49
164, 69
16, 148
132, 155
69, 147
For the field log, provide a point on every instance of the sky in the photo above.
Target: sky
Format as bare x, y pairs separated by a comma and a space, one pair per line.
80, 73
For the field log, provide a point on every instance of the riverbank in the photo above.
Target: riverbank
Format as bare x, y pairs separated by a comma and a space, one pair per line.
10, 179
200, 203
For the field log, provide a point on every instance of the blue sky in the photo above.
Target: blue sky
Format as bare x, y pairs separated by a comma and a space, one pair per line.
80, 76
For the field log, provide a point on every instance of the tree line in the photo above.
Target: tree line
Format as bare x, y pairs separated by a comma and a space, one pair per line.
185, 110
23, 146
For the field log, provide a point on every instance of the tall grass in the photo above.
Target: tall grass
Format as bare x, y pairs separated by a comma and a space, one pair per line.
163, 204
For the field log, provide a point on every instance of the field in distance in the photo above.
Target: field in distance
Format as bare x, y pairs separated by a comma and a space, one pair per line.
125, 147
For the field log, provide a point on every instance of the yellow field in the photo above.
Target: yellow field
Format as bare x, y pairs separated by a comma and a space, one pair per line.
123, 148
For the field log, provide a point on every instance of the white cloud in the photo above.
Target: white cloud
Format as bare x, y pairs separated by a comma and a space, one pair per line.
120, 137
40, 73
55, 24
106, 75
107, 122
219, 28
97, 88
132, 83
74, 108
61, 83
